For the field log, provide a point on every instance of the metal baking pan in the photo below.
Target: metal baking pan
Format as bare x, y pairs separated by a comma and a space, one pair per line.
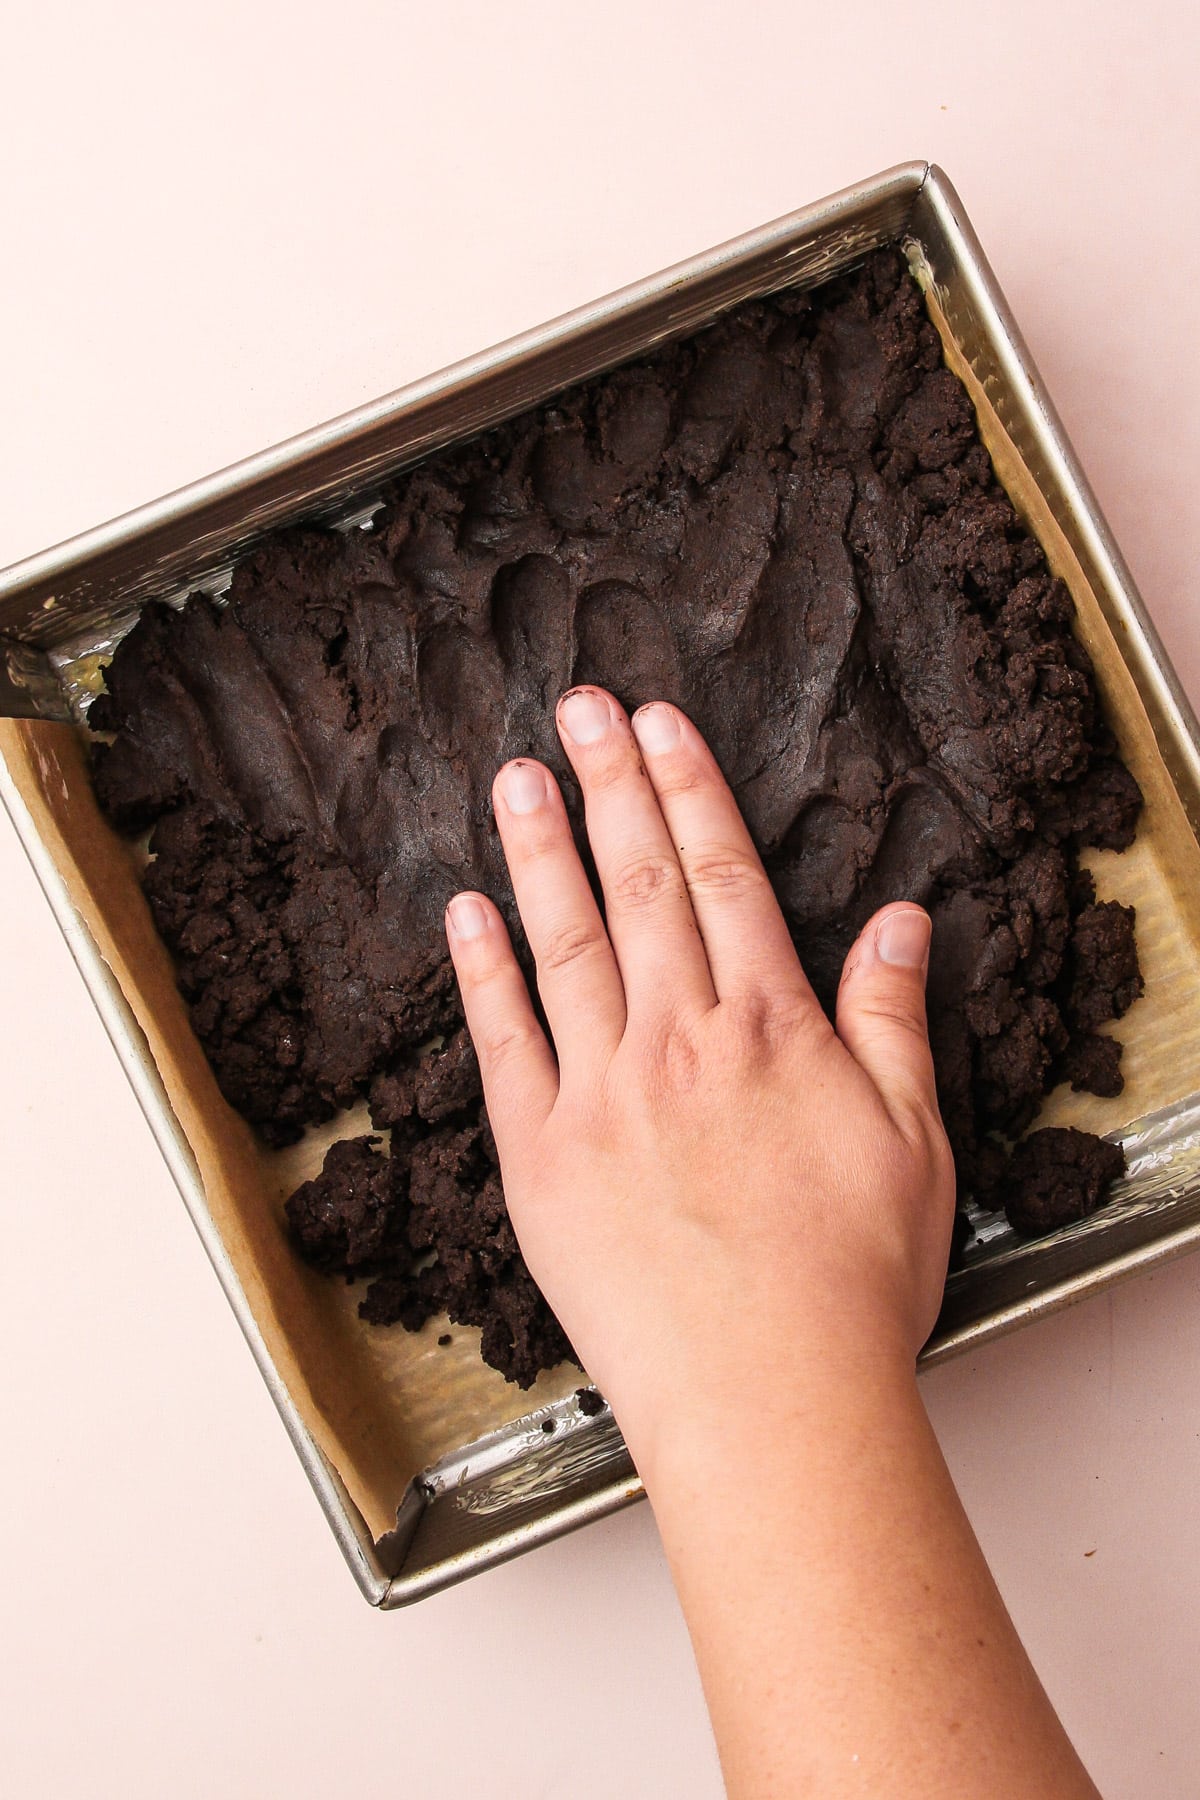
493, 1493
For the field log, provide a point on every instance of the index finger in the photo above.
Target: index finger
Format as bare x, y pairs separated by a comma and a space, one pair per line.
749, 946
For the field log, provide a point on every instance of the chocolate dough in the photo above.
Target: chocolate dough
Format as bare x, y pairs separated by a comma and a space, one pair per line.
1056, 1176
788, 526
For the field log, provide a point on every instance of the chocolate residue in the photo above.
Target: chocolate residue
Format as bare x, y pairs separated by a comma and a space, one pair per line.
1056, 1176
788, 526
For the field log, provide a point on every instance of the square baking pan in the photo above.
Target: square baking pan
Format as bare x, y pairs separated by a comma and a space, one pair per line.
428, 1466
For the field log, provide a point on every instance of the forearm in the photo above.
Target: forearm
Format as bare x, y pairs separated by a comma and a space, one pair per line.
849, 1635
704, 1173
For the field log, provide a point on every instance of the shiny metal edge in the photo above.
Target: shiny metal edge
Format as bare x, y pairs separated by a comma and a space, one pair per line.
938, 211
938, 206
52, 585
422, 1546
49, 596
126, 1037
570, 1514
29, 684
1152, 1213
512, 1490
556, 1469
1056, 1297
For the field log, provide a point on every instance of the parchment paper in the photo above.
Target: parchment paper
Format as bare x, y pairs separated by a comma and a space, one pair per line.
383, 1404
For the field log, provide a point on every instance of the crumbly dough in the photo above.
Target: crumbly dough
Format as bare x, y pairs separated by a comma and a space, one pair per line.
1057, 1176
788, 526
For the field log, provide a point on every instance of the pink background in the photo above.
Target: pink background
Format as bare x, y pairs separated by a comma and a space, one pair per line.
223, 224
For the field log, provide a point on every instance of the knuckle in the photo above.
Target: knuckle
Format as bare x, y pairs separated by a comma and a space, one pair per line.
609, 765
643, 881
533, 836
892, 1016
480, 963
925, 1138
795, 1008
682, 776
504, 1041
728, 874
680, 1062
778, 1020
797, 1029
567, 944
751, 1017
671, 1064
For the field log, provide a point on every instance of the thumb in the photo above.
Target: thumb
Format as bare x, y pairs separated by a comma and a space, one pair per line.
881, 1009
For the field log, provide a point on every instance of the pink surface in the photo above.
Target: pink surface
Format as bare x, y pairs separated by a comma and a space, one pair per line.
221, 226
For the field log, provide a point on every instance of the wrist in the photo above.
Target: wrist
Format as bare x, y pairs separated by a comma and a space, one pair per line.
740, 1403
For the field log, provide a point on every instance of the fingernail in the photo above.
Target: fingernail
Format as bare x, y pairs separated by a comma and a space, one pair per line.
468, 919
903, 939
656, 729
524, 787
584, 716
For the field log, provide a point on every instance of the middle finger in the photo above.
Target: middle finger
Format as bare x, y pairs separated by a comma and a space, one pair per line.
651, 923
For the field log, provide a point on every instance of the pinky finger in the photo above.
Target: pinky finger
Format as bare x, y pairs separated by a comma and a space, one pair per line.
520, 1076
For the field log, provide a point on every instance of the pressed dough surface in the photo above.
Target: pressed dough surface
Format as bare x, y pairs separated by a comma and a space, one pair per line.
788, 526
230, 228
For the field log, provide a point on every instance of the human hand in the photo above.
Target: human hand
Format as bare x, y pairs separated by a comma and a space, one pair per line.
708, 1178
742, 1218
